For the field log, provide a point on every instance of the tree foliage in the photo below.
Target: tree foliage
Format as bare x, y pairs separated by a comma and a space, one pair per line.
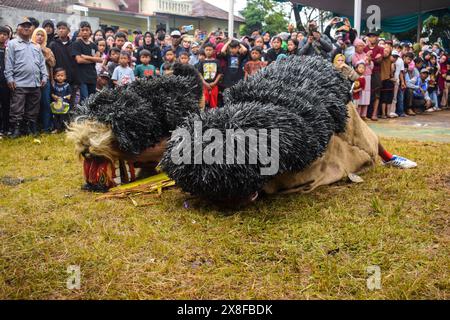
264, 15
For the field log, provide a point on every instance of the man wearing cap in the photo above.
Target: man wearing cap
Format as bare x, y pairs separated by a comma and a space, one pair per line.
62, 50
176, 41
25, 73
421, 99
375, 54
103, 81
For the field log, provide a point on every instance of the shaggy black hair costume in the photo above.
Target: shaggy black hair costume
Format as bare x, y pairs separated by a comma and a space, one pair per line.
143, 113
304, 98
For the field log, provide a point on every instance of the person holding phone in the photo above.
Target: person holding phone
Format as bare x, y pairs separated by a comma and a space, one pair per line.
316, 45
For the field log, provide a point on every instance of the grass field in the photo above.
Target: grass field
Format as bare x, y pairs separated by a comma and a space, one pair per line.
315, 246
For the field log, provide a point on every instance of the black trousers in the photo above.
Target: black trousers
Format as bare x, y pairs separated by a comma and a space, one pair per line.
59, 120
25, 104
5, 105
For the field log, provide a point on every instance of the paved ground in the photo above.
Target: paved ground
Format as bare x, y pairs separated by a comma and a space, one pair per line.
425, 127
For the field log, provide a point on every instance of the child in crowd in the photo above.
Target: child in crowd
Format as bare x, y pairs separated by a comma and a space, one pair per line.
275, 51
101, 45
360, 96
432, 81
387, 83
128, 46
169, 60
255, 64
61, 94
201, 58
292, 47
211, 73
195, 49
184, 57
113, 62
234, 53
145, 69
103, 81
401, 107
357, 57
123, 74
167, 69
120, 40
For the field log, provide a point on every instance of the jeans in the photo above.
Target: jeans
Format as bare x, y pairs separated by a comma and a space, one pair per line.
434, 99
45, 111
86, 89
400, 110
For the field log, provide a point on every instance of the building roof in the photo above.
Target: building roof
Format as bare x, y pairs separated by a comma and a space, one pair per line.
203, 9
388, 8
200, 8
42, 5
133, 6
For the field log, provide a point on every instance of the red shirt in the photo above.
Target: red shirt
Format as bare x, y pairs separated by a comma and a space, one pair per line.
377, 50
253, 67
359, 84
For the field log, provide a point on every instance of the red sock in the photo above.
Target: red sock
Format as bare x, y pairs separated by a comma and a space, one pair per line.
386, 156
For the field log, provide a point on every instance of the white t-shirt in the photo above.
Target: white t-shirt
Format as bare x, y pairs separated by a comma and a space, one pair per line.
123, 76
399, 67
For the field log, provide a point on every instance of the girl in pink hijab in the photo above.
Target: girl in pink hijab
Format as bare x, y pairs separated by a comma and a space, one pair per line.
357, 57
128, 46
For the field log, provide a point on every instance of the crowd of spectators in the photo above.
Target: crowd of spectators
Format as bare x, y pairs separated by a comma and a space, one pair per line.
46, 69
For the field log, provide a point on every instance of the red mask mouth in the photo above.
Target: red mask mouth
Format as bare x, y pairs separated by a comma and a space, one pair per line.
99, 174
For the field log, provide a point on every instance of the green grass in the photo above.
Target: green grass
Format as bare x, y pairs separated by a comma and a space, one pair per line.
315, 246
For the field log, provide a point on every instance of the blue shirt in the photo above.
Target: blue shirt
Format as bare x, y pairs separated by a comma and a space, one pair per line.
25, 64
62, 90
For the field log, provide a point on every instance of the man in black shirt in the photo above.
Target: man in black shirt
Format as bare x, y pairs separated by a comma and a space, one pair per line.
4, 90
86, 56
62, 50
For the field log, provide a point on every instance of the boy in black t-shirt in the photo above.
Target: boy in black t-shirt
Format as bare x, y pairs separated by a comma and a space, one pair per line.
234, 52
211, 74
86, 56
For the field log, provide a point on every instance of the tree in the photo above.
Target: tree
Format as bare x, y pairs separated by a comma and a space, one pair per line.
435, 28
264, 15
304, 14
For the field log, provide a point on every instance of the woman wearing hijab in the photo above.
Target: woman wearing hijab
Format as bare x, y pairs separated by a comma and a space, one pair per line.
39, 38
149, 44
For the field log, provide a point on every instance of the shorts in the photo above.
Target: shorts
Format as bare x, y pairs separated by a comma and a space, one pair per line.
387, 92
375, 84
